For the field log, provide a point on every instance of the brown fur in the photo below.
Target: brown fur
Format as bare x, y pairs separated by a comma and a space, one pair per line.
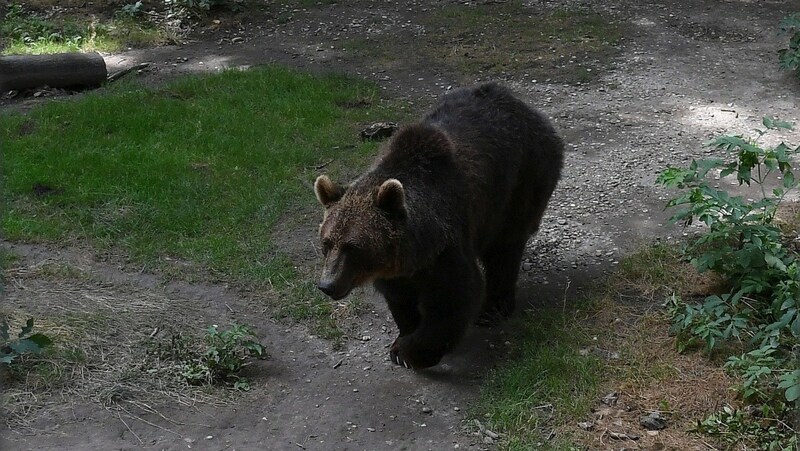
469, 183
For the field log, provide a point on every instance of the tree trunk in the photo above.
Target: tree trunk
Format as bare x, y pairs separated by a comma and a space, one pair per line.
61, 70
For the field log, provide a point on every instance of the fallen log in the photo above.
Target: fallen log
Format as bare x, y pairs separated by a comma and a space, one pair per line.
62, 70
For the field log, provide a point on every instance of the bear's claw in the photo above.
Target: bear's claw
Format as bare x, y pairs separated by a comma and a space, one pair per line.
394, 354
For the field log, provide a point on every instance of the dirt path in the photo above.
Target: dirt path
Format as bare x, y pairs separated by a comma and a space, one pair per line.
686, 71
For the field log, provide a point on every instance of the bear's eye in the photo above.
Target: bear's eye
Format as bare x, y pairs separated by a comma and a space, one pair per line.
327, 245
351, 248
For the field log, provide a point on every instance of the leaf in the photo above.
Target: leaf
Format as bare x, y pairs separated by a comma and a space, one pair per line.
791, 382
793, 393
774, 261
23, 346
7, 358
27, 329
784, 320
788, 180
775, 124
41, 340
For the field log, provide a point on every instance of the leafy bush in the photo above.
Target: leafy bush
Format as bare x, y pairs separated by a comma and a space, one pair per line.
744, 244
206, 5
23, 30
226, 353
25, 343
21, 25
131, 10
732, 425
790, 57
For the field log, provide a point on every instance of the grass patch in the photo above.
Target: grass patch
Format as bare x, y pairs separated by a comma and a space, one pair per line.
617, 342
564, 45
29, 32
101, 341
547, 382
189, 179
655, 271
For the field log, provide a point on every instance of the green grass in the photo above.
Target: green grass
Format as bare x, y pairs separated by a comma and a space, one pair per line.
566, 45
548, 385
544, 384
188, 179
28, 32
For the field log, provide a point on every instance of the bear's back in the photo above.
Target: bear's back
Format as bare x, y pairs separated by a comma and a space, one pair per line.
509, 152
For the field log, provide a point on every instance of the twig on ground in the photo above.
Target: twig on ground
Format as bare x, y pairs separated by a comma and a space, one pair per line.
129, 428
119, 74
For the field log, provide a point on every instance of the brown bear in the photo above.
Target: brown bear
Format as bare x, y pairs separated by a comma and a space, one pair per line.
467, 184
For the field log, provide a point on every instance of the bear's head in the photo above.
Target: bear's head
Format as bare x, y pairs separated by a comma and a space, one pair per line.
361, 233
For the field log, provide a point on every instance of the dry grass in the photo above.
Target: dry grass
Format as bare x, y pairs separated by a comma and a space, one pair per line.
649, 375
644, 367
656, 271
103, 336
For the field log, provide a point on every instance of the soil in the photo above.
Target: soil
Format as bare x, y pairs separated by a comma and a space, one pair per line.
683, 72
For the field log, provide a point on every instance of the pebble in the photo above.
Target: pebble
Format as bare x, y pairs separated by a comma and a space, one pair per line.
654, 421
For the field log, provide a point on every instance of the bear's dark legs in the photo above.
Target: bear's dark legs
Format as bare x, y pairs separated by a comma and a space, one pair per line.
402, 297
501, 263
447, 305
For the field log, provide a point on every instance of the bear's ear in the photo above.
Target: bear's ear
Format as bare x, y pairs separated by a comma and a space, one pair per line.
327, 192
392, 198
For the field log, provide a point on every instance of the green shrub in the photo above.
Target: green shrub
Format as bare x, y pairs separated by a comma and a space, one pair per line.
206, 5
25, 343
790, 57
25, 27
744, 245
226, 353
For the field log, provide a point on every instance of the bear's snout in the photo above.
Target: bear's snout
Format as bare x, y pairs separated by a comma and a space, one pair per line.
332, 290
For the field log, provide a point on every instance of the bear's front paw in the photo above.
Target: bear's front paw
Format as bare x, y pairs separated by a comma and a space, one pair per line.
394, 353
414, 355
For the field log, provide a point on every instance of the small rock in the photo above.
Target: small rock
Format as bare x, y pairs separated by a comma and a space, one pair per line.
586, 425
622, 436
653, 422
427, 410
610, 399
379, 131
